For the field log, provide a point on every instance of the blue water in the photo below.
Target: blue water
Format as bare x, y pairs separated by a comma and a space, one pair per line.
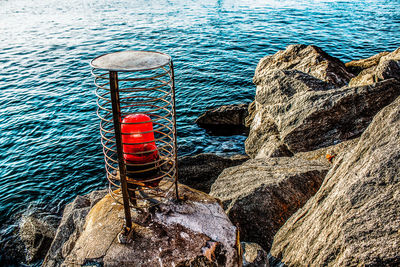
49, 138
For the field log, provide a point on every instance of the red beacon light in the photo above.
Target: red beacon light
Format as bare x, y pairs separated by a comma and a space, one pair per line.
136, 90
139, 148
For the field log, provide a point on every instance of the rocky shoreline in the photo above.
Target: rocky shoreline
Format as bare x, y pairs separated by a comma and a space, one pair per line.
320, 185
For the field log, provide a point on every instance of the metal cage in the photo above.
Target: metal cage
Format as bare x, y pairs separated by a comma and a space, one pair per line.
136, 105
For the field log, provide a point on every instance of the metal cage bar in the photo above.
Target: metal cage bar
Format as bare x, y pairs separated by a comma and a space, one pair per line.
135, 84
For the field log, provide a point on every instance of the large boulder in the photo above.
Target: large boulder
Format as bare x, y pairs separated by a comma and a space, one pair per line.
71, 226
200, 171
299, 106
296, 112
261, 194
309, 59
193, 232
225, 120
354, 219
376, 68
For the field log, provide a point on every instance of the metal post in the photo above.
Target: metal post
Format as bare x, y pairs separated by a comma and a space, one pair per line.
118, 138
175, 134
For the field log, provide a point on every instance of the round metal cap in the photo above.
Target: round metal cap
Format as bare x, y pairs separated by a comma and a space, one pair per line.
131, 61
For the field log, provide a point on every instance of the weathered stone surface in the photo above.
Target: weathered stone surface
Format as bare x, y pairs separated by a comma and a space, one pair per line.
329, 155
194, 232
37, 231
71, 226
225, 120
254, 255
307, 115
299, 108
356, 66
378, 68
354, 219
273, 147
337, 116
262, 193
276, 90
200, 171
308, 59
252, 113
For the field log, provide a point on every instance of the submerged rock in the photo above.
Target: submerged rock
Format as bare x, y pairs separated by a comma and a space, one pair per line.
261, 194
225, 120
194, 232
354, 219
200, 171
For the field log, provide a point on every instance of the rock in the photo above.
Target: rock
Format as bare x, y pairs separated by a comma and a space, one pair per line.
308, 59
381, 67
302, 113
225, 120
356, 66
329, 155
299, 108
254, 255
194, 232
276, 90
252, 113
200, 171
354, 219
37, 231
261, 194
336, 116
71, 226
388, 69
273, 147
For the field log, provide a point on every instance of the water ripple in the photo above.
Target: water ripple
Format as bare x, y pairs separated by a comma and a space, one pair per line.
49, 140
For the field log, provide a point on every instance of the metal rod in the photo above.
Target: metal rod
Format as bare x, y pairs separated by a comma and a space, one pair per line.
118, 137
175, 134
137, 90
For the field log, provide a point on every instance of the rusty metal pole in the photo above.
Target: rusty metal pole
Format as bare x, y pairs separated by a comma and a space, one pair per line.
175, 138
122, 167
132, 85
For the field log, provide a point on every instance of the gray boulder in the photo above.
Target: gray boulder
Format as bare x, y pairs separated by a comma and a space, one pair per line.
200, 171
225, 120
37, 231
193, 232
71, 226
356, 66
377, 68
261, 194
298, 106
296, 112
309, 59
354, 219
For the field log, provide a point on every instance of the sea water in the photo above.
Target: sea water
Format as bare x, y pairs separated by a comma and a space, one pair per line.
49, 133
